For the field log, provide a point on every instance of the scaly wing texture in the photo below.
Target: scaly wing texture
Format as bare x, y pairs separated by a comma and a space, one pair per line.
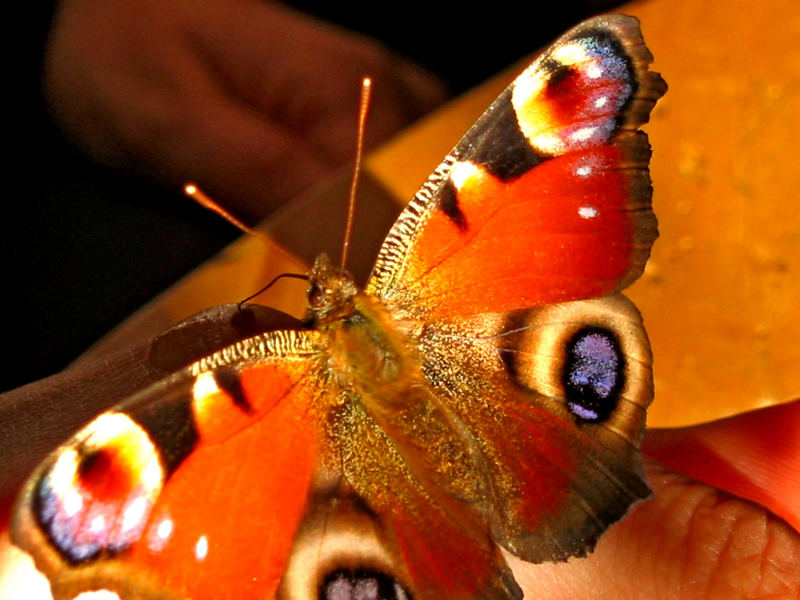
504, 268
375, 523
520, 430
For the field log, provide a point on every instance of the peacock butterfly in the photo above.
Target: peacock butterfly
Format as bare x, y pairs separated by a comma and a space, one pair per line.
487, 388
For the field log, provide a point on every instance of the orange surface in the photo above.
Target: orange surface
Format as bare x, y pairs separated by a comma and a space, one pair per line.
721, 295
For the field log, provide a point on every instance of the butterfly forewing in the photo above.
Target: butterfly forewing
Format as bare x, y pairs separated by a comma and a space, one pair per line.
546, 198
171, 494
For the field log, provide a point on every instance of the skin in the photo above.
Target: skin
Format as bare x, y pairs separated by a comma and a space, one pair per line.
252, 100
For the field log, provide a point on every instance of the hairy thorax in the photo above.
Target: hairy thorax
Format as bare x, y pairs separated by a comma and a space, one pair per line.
368, 352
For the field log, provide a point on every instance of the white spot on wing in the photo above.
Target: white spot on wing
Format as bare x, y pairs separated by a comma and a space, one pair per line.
201, 548
134, 513
73, 503
97, 595
583, 134
205, 385
98, 524
159, 536
587, 212
164, 529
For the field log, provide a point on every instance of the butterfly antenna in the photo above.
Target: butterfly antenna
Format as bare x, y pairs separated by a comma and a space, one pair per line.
271, 283
196, 194
366, 88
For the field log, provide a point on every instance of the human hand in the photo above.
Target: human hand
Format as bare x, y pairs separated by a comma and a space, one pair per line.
250, 99
728, 533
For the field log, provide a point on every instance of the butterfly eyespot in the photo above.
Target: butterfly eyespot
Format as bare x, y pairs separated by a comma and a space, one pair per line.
97, 494
361, 584
593, 374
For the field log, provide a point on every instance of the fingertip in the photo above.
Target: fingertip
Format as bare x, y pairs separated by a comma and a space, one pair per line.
755, 455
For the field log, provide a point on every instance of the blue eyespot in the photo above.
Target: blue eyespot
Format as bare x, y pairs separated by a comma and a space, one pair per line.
593, 374
362, 584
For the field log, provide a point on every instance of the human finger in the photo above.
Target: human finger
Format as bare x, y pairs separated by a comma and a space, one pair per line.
755, 455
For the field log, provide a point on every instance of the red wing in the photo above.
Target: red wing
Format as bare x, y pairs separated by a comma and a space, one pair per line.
192, 489
547, 198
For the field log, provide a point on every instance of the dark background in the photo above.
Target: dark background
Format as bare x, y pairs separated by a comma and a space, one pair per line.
84, 246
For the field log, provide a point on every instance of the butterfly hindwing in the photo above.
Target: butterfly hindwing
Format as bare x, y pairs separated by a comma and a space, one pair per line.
555, 397
546, 198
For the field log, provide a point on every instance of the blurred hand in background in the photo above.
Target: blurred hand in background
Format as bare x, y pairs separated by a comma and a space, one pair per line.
254, 101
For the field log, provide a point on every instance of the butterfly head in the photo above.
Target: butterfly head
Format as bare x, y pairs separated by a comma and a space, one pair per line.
330, 292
